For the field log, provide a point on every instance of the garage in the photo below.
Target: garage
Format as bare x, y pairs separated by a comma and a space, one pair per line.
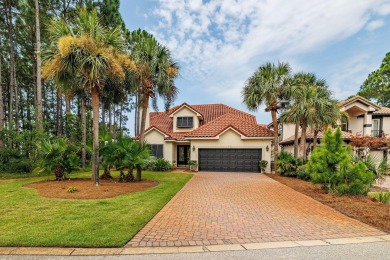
229, 160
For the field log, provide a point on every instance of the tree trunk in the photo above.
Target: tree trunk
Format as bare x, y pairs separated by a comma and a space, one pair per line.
145, 106
303, 142
95, 157
120, 118
139, 173
296, 140
276, 137
84, 133
16, 91
103, 117
315, 137
110, 118
38, 57
1, 101
10, 28
67, 103
59, 114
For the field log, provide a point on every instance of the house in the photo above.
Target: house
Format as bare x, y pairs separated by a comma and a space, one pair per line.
218, 137
365, 118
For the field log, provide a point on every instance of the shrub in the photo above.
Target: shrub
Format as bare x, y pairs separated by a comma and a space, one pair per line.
72, 189
148, 164
330, 165
302, 172
287, 164
162, 165
193, 165
11, 161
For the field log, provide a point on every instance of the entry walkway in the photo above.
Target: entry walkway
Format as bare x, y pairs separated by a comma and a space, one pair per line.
236, 208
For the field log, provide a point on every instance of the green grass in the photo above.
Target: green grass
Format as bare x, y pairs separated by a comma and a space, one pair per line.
383, 197
26, 219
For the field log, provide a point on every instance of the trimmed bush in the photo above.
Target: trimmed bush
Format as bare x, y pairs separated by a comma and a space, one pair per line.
162, 165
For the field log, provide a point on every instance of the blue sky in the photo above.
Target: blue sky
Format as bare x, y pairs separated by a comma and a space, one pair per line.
220, 43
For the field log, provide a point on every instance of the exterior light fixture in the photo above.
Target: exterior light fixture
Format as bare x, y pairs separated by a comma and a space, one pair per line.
193, 148
267, 148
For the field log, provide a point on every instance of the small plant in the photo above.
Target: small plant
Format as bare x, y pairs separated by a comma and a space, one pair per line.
263, 164
383, 197
193, 165
162, 165
72, 189
287, 164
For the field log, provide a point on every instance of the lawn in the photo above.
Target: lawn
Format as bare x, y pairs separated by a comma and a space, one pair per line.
26, 219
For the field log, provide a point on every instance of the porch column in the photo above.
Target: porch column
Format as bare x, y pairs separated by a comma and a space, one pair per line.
367, 124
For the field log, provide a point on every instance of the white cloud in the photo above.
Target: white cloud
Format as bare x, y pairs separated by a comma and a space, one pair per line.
373, 25
219, 43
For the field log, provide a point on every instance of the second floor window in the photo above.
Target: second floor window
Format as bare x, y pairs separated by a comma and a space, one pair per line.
185, 122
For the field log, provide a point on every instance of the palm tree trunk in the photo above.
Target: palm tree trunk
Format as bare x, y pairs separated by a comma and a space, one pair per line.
38, 60
145, 105
84, 133
95, 158
276, 137
296, 140
303, 142
59, 114
315, 137
1, 102
110, 118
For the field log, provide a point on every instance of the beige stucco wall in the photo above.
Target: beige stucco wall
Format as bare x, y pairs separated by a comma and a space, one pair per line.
356, 125
155, 137
288, 130
386, 125
184, 112
231, 139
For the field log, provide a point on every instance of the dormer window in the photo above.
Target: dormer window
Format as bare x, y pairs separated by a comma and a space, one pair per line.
185, 122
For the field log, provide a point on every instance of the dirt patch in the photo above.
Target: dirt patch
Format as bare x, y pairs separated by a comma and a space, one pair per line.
362, 208
87, 190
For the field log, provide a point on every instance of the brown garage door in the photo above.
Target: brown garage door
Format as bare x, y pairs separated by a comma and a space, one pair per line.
229, 160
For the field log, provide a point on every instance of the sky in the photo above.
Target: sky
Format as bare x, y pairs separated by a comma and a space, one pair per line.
219, 44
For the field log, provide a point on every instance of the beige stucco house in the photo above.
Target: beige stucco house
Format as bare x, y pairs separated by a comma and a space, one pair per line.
365, 119
218, 137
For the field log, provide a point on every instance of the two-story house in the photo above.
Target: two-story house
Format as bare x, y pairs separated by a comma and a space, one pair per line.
218, 137
364, 119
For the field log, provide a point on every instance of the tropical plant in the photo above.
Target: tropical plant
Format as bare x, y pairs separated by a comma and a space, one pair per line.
269, 85
162, 165
382, 197
287, 164
90, 53
330, 165
129, 154
263, 164
107, 149
302, 172
370, 161
154, 75
58, 156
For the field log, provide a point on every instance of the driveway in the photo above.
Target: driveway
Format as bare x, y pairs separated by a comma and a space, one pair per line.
231, 208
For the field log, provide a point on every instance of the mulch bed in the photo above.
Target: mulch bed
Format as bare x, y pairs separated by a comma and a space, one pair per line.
362, 208
87, 189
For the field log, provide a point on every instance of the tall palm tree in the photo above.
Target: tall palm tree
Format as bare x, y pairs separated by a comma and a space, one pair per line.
312, 97
155, 73
90, 52
269, 85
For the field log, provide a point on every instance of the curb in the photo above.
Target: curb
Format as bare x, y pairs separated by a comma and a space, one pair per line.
58, 251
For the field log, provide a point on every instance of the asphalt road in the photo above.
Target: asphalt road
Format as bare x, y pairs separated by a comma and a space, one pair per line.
379, 250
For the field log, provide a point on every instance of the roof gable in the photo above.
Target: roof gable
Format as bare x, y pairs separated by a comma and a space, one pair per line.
344, 103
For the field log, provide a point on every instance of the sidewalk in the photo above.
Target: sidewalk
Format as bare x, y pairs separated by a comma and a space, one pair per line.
56, 251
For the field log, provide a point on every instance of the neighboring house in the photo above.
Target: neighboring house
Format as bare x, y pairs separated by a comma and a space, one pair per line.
365, 119
218, 137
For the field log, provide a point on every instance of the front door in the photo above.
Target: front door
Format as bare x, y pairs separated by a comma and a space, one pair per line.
183, 154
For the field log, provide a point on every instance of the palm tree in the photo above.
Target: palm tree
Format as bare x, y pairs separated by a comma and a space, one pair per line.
269, 85
312, 97
155, 73
90, 52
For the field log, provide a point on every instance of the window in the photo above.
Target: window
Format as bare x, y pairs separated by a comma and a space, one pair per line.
185, 122
280, 126
344, 126
157, 150
376, 127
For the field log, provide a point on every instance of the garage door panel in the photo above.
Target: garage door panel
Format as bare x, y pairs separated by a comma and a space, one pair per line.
229, 160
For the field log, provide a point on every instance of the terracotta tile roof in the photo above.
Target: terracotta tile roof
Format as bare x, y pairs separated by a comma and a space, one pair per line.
352, 99
210, 112
220, 124
310, 136
382, 111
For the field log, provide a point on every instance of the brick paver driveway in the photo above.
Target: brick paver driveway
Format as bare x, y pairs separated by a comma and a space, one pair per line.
228, 208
